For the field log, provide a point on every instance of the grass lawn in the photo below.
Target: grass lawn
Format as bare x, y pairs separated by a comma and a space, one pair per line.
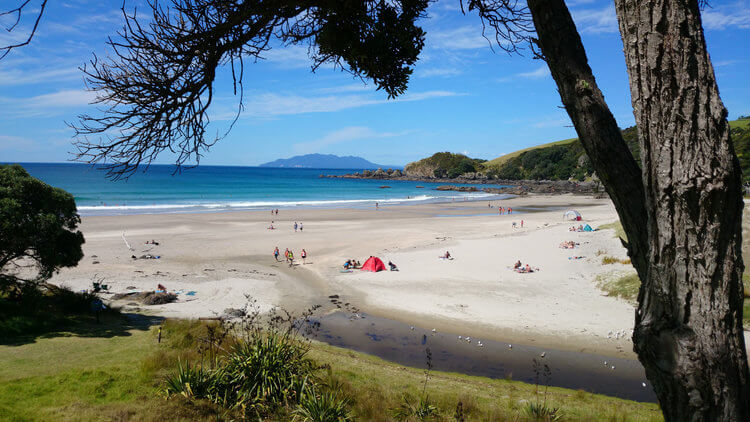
119, 377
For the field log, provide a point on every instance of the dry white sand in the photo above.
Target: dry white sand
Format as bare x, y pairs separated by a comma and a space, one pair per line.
225, 256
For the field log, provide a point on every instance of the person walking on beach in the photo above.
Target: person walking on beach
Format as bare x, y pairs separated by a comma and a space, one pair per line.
295, 226
276, 253
304, 256
286, 254
291, 259
300, 226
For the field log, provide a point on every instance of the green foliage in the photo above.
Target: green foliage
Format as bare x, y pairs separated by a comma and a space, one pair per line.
37, 226
261, 373
557, 161
445, 164
741, 139
543, 412
381, 42
323, 407
411, 409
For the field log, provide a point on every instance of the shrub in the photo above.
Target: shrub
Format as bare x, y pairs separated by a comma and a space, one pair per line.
325, 407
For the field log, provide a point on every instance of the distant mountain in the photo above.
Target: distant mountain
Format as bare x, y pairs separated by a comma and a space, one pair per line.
325, 161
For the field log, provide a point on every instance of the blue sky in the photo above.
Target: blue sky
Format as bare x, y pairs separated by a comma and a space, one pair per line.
463, 97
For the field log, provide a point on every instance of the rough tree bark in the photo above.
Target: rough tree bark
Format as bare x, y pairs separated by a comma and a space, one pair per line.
689, 323
682, 212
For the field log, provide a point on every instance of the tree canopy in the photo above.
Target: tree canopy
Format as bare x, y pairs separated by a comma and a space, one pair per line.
38, 229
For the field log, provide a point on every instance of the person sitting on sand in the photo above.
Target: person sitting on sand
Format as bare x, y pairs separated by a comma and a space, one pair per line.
357, 264
161, 287
446, 256
347, 264
271, 227
517, 265
393, 266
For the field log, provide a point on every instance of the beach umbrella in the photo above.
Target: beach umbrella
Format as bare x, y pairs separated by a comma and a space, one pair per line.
572, 215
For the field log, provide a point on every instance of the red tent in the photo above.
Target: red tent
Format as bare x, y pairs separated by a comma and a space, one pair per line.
373, 264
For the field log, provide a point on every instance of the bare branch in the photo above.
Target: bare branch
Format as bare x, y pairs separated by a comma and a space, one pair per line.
5, 50
507, 21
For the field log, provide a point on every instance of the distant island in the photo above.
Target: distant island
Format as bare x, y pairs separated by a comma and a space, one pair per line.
325, 161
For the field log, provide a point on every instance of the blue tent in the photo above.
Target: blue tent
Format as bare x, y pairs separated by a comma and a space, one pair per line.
587, 228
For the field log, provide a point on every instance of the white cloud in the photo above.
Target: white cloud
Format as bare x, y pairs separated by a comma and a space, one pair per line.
347, 134
725, 16
21, 77
439, 71
356, 87
16, 143
289, 57
596, 21
461, 38
541, 72
272, 104
47, 104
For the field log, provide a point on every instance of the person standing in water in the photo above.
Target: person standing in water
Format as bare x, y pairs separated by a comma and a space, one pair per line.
376, 205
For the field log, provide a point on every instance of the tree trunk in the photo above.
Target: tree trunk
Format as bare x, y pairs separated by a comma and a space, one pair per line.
682, 213
689, 324
563, 51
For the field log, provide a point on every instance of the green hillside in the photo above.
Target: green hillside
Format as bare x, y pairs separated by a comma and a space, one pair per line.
566, 159
444, 164
503, 158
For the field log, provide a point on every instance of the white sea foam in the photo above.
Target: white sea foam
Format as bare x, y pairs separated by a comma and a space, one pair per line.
237, 205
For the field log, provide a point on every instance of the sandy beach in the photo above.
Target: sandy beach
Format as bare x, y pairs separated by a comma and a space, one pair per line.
216, 260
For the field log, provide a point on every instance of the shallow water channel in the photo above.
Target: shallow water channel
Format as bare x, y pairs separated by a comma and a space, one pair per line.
398, 342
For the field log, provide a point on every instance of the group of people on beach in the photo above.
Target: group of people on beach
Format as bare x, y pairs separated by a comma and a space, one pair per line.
352, 264
569, 244
520, 268
289, 256
500, 209
300, 227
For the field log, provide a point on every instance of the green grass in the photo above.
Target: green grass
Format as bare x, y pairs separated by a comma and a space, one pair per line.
607, 260
617, 227
740, 123
503, 158
625, 287
74, 377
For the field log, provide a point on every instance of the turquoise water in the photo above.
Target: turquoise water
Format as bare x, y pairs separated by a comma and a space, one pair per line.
222, 188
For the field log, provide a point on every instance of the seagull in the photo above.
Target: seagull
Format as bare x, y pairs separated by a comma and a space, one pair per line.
543, 353
510, 346
459, 337
613, 368
605, 363
643, 384
411, 328
434, 330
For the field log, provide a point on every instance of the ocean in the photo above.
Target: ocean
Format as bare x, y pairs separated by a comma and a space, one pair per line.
225, 188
